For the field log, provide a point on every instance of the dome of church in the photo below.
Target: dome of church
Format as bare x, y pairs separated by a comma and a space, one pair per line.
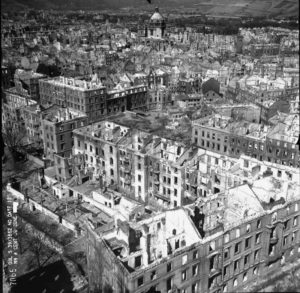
156, 16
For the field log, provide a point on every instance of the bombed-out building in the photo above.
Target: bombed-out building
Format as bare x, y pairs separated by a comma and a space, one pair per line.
219, 244
89, 96
57, 126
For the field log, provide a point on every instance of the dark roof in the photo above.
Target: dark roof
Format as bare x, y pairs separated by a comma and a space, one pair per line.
54, 278
211, 85
281, 106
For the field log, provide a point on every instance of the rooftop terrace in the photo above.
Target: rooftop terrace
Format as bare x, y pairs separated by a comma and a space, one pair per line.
227, 124
172, 232
59, 114
78, 83
104, 130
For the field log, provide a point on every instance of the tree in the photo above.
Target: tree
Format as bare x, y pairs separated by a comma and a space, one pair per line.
13, 138
43, 69
49, 70
30, 240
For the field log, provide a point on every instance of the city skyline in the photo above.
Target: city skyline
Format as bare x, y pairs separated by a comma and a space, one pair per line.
153, 149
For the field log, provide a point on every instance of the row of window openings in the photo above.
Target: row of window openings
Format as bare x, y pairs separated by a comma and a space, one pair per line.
62, 146
213, 145
238, 231
225, 139
165, 190
169, 285
285, 153
285, 238
245, 278
153, 275
286, 224
165, 169
111, 161
237, 246
236, 263
167, 180
96, 149
285, 163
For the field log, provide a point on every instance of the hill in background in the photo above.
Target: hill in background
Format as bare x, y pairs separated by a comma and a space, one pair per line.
210, 7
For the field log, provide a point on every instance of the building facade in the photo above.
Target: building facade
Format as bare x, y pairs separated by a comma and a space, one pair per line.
207, 255
88, 97
57, 126
223, 136
91, 97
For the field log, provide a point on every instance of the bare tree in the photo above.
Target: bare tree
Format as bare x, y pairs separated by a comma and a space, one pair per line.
13, 138
32, 242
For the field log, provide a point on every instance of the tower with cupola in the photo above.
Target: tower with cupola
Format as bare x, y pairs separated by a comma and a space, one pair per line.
156, 26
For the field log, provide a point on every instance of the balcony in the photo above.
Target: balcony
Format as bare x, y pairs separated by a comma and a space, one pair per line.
213, 253
273, 240
214, 272
163, 197
274, 258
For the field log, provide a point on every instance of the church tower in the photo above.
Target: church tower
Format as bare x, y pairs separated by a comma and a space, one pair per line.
156, 26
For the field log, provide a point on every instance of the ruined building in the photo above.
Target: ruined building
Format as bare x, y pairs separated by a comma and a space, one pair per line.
221, 244
89, 96
276, 144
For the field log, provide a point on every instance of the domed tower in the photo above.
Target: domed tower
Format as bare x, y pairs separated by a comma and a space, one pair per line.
156, 26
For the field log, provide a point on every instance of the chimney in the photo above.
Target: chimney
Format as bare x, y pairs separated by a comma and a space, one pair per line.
144, 244
101, 182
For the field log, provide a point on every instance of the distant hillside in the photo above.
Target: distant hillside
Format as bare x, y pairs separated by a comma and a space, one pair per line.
211, 7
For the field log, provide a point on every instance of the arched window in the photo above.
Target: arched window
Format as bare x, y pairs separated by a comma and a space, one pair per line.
174, 232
